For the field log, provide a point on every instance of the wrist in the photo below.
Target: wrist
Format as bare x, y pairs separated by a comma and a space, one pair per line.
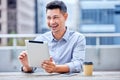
26, 69
55, 69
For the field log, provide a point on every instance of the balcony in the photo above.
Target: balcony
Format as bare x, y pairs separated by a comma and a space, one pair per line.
104, 57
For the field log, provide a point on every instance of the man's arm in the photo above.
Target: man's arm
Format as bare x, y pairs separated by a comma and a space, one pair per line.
51, 67
78, 54
62, 69
24, 61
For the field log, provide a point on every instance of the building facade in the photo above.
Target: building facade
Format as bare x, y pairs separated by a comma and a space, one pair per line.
25, 16
99, 16
16, 17
3, 20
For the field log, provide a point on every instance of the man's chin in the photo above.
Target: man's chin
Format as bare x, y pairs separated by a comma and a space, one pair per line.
54, 31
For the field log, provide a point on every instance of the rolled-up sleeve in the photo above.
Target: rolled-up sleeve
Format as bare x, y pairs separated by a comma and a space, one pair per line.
78, 55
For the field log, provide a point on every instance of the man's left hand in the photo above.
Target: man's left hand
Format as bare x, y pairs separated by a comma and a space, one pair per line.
49, 66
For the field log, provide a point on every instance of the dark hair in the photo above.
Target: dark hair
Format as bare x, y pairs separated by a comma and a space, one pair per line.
57, 4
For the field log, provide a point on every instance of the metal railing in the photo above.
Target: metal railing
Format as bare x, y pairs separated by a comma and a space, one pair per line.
97, 35
14, 40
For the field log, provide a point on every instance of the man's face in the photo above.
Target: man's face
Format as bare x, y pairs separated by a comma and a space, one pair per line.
56, 19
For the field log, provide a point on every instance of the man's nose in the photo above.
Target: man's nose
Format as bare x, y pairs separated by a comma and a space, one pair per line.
52, 21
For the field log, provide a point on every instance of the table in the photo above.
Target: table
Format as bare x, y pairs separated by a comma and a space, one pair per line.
97, 75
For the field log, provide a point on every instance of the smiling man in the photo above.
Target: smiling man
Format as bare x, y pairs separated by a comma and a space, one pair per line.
66, 47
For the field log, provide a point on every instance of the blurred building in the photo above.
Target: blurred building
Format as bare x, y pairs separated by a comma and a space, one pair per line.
3, 20
25, 16
100, 16
17, 17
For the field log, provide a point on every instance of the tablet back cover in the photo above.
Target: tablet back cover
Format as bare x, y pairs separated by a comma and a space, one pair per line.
37, 52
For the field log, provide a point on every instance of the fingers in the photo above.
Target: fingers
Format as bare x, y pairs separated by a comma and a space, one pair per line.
48, 63
51, 59
22, 55
45, 64
48, 66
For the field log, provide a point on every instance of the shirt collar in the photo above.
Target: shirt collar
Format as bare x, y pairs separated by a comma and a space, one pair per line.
65, 36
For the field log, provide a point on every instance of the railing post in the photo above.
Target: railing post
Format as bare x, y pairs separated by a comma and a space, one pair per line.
98, 48
14, 46
14, 51
14, 42
97, 41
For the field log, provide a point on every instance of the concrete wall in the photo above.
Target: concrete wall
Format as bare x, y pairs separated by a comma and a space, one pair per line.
6, 61
9, 60
103, 59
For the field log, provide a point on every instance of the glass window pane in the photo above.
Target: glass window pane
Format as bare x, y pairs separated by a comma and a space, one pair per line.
97, 16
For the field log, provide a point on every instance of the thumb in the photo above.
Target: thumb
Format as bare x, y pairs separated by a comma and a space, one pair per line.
51, 59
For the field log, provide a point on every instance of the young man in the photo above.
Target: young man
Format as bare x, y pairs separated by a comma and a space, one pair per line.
67, 48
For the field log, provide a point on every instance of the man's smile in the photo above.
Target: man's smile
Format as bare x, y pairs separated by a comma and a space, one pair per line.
54, 26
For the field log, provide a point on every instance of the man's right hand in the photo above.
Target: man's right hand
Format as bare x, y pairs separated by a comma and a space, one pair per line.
24, 61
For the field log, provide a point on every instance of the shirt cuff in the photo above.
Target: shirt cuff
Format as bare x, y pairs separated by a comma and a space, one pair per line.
75, 67
32, 71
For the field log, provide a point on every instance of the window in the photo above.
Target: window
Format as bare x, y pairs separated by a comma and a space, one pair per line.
11, 3
0, 30
0, 2
0, 40
97, 16
0, 13
0, 27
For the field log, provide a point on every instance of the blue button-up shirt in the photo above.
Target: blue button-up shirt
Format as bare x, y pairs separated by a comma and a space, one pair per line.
69, 50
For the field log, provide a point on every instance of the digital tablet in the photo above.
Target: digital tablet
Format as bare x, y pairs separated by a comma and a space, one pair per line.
37, 52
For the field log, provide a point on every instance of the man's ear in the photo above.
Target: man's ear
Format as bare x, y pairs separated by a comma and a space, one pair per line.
66, 16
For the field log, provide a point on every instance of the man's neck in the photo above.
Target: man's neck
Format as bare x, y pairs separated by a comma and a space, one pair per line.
58, 35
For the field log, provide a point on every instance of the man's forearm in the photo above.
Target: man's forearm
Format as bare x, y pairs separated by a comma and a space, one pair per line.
61, 69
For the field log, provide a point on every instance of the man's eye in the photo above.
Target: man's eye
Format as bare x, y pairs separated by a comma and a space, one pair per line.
56, 17
48, 17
